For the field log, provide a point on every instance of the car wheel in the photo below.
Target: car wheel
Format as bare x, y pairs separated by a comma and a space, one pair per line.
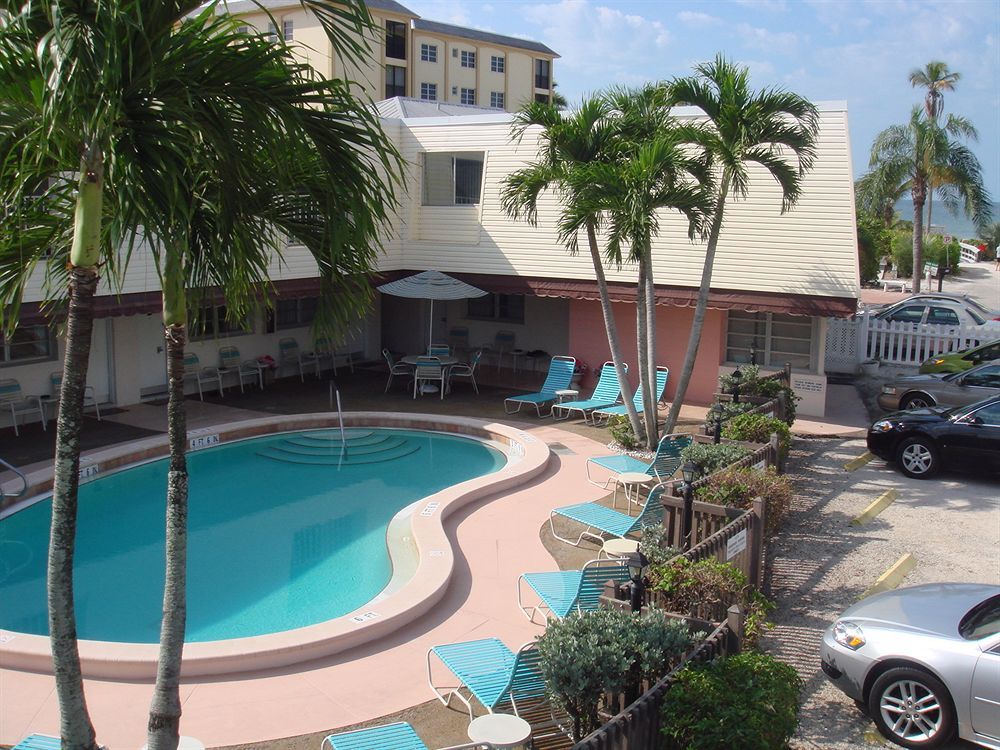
918, 458
916, 401
912, 708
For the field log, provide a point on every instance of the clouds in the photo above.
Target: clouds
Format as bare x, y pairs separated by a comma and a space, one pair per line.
694, 18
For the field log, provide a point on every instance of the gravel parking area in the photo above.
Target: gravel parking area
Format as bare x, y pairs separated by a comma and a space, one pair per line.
821, 564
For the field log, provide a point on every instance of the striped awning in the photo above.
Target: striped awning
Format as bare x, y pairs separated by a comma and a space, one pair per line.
431, 285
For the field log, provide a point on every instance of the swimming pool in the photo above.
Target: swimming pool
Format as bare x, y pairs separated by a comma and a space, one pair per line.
284, 532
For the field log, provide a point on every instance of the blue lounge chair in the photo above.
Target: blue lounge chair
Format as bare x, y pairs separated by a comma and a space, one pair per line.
38, 742
665, 462
559, 378
619, 410
398, 736
564, 591
490, 672
606, 393
603, 520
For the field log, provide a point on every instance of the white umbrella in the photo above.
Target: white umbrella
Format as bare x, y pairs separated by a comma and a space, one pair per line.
431, 285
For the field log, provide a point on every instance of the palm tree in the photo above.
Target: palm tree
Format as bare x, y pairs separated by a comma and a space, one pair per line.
565, 145
910, 154
875, 197
936, 78
86, 87
771, 128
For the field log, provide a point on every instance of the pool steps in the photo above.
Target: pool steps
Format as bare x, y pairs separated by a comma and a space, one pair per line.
328, 449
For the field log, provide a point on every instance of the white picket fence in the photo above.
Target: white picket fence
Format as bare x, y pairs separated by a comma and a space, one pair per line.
851, 341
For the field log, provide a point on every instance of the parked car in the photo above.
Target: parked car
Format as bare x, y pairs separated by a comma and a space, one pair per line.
938, 309
956, 389
924, 661
923, 441
963, 360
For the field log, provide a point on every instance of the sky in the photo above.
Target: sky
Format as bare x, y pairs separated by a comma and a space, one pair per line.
860, 51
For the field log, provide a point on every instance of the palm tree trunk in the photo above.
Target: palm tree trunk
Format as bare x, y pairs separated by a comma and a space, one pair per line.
614, 345
163, 731
930, 206
919, 194
76, 729
651, 417
694, 340
642, 342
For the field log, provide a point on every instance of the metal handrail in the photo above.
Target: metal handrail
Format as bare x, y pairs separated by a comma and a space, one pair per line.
340, 414
24, 480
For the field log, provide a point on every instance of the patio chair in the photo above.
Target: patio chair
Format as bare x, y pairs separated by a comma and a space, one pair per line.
665, 463
229, 361
466, 371
606, 393
429, 370
503, 343
605, 520
289, 354
662, 373
325, 350
490, 672
458, 340
209, 375
39, 742
438, 350
564, 591
89, 394
12, 399
558, 379
396, 368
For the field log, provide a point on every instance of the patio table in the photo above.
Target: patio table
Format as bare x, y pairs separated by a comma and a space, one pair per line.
446, 362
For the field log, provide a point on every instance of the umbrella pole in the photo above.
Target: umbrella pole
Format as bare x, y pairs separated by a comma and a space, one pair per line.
430, 328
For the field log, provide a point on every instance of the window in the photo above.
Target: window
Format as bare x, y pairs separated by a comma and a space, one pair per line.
395, 40
988, 377
989, 414
775, 338
543, 69
28, 344
942, 316
395, 81
287, 29
543, 98
453, 179
497, 63
496, 99
468, 96
210, 322
272, 33
242, 29
506, 308
429, 91
468, 59
429, 53
292, 313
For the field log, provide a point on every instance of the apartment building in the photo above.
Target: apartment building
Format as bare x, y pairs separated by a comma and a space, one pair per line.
416, 57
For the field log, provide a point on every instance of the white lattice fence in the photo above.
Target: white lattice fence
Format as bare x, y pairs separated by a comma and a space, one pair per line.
842, 345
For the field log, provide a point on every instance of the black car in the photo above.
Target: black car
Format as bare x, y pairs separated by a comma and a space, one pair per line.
923, 441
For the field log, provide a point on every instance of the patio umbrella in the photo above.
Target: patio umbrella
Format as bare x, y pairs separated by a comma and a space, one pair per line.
431, 285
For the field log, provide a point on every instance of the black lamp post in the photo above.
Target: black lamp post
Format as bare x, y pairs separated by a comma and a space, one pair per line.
637, 564
718, 410
689, 472
737, 376
753, 354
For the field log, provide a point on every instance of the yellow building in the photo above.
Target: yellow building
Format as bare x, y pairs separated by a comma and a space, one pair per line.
417, 58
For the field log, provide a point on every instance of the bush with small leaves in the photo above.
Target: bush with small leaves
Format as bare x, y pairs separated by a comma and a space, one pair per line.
748, 701
757, 428
729, 411
737, 488
621, 432
709, 457
655, 545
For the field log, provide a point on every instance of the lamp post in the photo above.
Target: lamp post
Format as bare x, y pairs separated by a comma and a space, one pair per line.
637, 564
689, 472
753, 354
737, 376
718, 410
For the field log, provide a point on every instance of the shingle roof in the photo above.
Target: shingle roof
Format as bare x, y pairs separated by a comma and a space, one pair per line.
422, 24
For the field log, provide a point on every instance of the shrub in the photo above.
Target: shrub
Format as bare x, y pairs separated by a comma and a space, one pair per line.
653, 543
737, 488
757, 428
621, 431
710, 457
749, 701
749, 374
728, 409
752, 384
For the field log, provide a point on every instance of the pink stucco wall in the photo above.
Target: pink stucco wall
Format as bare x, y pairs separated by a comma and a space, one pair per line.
588, 342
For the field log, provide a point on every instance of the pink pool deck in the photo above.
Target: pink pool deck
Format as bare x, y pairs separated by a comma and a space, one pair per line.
494, 539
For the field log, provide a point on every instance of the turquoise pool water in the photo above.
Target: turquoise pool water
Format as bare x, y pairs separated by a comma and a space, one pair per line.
284, 532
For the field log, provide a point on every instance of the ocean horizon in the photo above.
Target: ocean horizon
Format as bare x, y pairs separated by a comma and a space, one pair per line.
959, 227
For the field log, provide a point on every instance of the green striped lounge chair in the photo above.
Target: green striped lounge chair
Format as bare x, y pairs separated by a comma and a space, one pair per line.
398, 736
606, 393
600, 520
38, 742
13, 400
666, 461
489, 672
619, 410
562, 592
558, 379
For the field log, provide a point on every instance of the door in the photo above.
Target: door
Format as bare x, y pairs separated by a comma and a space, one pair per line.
975, 386
974, 440
986, 694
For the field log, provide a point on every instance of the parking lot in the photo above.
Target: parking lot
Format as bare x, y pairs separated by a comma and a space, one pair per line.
821, 563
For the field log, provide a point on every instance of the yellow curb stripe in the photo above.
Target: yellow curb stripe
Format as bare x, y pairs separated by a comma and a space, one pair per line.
856, 463
882, 502
893, 576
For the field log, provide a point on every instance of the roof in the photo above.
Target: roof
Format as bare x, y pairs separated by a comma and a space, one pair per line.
421, 24
246, 6
404, 107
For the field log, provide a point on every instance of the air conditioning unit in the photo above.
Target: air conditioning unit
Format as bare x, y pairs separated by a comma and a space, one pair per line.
454, 90
454, 52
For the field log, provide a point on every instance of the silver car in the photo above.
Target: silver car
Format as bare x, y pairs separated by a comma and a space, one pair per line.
924, 661
938, 309
955, 389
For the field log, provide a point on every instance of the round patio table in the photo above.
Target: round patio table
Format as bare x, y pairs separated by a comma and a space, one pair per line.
501, 731
446, 362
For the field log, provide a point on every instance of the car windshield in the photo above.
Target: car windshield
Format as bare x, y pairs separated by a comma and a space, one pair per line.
981, 621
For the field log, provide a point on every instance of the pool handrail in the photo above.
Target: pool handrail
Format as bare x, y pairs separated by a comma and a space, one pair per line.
19, 474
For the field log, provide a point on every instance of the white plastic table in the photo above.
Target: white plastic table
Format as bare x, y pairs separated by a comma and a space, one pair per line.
186, 743
501, 731
634, 480
447, 360
615, 549
567, 394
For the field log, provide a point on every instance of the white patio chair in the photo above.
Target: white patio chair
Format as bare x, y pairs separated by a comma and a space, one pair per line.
289, 354
462, 370
209, 375
396, 368
427, 371
229, 361
12, 399
89, 395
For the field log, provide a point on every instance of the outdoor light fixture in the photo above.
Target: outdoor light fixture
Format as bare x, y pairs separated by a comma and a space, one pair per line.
718, 410
737, 376
689, 472
753, 354
637, 564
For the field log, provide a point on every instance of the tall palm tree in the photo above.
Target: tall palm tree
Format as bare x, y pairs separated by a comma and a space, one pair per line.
104, 101
875, 197
936, 78
910, 154
567, 144
772, 128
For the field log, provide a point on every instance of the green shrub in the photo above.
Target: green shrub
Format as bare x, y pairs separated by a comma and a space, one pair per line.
737, 488
622, 433
757, 428
748, 701
752, 384
710, 457
728, 409
655, 545
749, 374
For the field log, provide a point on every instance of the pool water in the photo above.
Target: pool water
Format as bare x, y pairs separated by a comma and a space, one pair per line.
284, 531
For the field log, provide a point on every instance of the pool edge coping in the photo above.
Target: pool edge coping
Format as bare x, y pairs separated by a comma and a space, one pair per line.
527, 458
